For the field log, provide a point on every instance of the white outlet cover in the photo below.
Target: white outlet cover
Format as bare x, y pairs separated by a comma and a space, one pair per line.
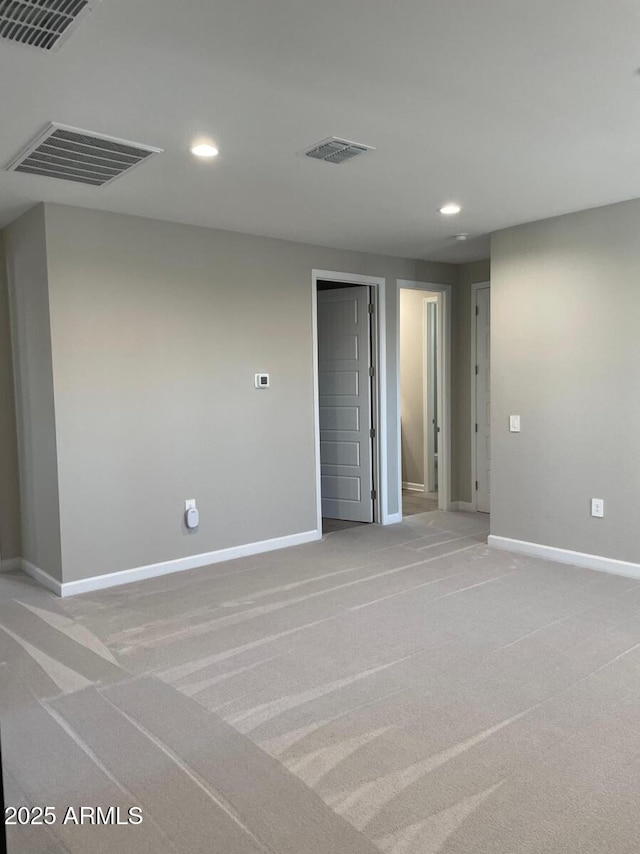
514, 423
189, 503
597, 507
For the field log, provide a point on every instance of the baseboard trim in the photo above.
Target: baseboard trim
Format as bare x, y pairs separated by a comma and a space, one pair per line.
10, 564
43, 578
413, 487
582, 559
463, 506
153, 570
392, 519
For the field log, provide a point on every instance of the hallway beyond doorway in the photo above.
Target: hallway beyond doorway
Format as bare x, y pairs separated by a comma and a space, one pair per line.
414, 502
422, 395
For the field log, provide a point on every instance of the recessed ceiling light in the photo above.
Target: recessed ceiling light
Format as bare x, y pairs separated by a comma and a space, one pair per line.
203, 149
460, 236
450, 208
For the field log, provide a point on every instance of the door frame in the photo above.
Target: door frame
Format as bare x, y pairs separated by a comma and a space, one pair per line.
475, 287
444, 389
379, 387
431, 299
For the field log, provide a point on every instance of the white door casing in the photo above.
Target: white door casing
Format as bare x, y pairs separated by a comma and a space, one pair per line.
483, 399
431, 426
344, 386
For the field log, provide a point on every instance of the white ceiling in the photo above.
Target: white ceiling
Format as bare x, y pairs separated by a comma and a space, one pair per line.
517, 110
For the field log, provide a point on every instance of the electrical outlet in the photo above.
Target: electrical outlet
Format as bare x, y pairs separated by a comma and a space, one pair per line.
189, 503
514, 423
597, 507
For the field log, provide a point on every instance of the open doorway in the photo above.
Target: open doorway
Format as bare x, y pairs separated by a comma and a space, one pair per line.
421, 399
346, 400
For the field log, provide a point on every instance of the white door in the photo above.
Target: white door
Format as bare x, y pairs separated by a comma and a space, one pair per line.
483, 399
344, 359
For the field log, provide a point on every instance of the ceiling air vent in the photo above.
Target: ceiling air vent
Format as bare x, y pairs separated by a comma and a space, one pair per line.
335, 150
42, 24
79, 155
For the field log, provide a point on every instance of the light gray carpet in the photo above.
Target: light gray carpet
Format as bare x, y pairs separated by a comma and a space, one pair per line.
400, 689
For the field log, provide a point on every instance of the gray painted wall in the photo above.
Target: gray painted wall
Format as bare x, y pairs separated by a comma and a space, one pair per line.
411, 382
10, 541
468, 274
566, 358
35, 412
157, 331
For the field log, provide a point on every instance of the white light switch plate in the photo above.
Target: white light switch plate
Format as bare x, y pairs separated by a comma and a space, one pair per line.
262, 380
597, 507
514, 423
189, 503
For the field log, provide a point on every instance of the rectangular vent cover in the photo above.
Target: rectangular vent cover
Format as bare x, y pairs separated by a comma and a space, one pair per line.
335, 150
80, 155
42, 24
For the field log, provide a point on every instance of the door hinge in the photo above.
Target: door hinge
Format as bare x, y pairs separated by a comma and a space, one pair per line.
372, 433
372, 371
371, 308
374, 494
477, 311
476, 370
476, 428
476, 484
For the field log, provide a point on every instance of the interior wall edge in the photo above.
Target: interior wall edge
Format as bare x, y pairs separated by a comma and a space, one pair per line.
29, 311
10, 517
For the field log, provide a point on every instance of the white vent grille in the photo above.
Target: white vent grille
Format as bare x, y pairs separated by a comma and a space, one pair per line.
80, 155
335, 150
42, 24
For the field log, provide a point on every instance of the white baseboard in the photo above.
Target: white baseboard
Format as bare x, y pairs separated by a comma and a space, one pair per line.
463, 506
43, 578
10, 564
153, 570
587, 561
392, 519
413, 487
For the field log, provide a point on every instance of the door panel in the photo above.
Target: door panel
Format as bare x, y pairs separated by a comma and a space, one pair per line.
483, 399
344, 383
334, 417
340, 488
341, 453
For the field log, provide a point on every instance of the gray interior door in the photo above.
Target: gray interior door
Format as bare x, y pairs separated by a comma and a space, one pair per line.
344, 359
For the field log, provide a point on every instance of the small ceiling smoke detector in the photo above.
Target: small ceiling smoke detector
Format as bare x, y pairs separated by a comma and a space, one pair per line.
460, 236
450, 209
334, 150
79, 155
41, 24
